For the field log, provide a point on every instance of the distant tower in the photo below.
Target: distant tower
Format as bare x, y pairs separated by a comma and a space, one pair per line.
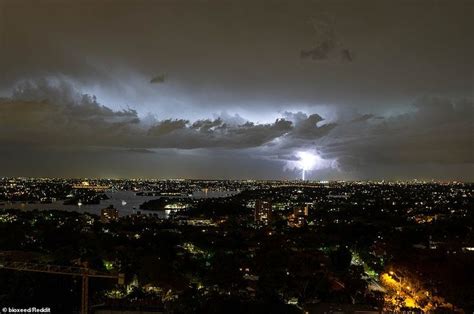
302, 174
299, 216
262, 212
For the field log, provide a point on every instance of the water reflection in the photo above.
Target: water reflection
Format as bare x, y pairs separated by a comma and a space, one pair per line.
127, 202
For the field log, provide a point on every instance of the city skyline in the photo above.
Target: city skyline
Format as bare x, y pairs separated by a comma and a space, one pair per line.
237, 90
236, 156
253, 246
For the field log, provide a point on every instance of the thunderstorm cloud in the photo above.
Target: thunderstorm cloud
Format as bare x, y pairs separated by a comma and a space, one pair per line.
389, 94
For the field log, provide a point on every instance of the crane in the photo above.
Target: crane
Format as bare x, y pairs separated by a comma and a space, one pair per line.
85, 272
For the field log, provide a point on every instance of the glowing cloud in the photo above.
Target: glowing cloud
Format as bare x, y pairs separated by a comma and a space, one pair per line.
308, 161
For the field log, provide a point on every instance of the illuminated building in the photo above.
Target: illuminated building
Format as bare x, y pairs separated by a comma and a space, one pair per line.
109, 214
85, 185
299, 216
263, 212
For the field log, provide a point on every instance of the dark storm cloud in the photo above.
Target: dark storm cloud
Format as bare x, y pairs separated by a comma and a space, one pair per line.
439, 130
347, 55
308, 129
167, 126
237, 92
321, 52
158, 79
241, 54
53, 113
364, 117
326, 44
324, 38
182, 134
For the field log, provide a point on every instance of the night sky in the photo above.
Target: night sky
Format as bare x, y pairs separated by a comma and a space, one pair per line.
237, 89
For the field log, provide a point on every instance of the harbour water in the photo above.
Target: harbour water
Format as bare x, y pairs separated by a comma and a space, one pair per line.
127, 202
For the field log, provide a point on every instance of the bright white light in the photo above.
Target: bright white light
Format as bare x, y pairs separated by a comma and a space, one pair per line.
307, 160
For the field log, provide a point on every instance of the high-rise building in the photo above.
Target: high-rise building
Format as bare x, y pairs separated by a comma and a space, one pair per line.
299, 216
109, 214
262, 212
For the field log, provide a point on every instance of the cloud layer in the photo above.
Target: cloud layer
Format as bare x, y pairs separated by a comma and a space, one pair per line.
53, 114
374, 89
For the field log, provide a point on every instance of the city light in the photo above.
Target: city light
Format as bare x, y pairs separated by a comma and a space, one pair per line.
240, 227
200, 157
